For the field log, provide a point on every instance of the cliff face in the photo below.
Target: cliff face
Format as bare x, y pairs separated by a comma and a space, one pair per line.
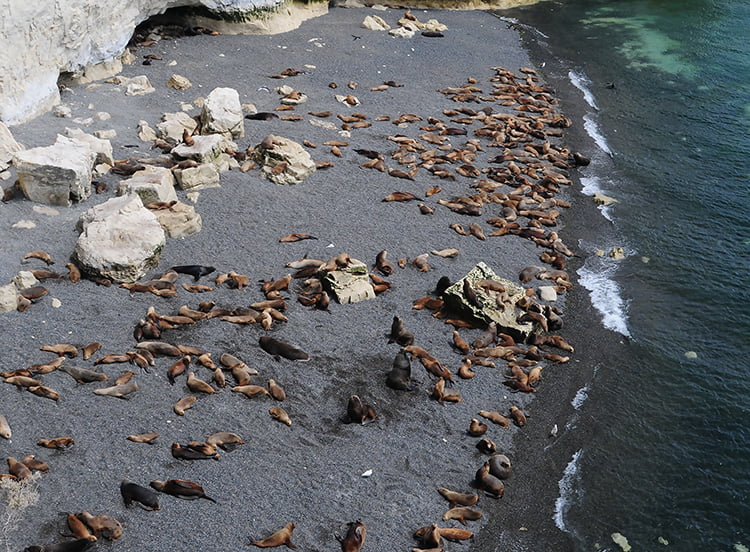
41, 41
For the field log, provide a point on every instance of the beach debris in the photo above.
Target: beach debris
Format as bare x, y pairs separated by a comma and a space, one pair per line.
366, 473
553, 431
620, 540
665, 542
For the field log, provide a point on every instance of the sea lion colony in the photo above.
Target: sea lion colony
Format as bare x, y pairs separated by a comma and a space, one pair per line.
514, 190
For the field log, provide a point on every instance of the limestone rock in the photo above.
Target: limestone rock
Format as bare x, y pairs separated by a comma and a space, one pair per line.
94, 72
601, 199
145, 132
505, 318
285, 162
8, 146
138, 86
222, 113
8, 298
350, 284
178, 82
375, 23
547, 293
198, 178
151, 184
24, 280
101, 147
179, 221
62, 111
57, 174
174, 124
401, 32
434, 25
205, 149
109, 134
120, 240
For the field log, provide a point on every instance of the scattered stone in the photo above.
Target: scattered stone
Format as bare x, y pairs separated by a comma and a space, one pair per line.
600, 252
101, 169
24, 280
173, 125
328, 125
56, 303
434, 25
138, 86
172, 63
106, 134
284, 89
645, 260
285, 162
94, 72
178, 82
24, 224
186, 106
410, 25
193, 196
547, 293
62, 111
151, 184
44, 210
198, 178
692, 355
601, 199
5, 175
375, 23
145, 132
8, 146
621, 541
505, 317
100, 146
8, 298
179, 221
84, 121
662, 540
401, 32
205, 149
222, 114
350, 284
617, 253
57, 174
249, 109
120, 240
348, 99
102, 116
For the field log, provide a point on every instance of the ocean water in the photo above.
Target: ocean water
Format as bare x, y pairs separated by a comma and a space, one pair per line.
662, 91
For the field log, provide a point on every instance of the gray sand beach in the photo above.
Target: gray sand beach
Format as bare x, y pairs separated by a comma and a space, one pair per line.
310, 473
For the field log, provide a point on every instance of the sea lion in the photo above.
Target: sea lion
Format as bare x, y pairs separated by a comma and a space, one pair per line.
382, 264
197, 385
227, 441
178, 368
118, 391
90, 349
184, 404
181, 488
44, 391
58, 443
276, 391
187, 453
147, 438
133, 492
196, 271
495, 417
102, 526
357, 412
500, 466
518, 416
79, 529
462, 514
281, 415
399, 377
477, 428
399, 334
61, 349
39, 254
83, 375
486, 338
19, 469
486, 446
460, 343
31, 462
487, 482
355, 537
453, 497
78, 545
250, 390
278, 348
282, 536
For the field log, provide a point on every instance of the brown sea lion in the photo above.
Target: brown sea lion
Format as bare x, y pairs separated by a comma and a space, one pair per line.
487, 482
280, 415
227, 441
102, 526
454, 497
354, 538
79, 529
148, 438
186, 453
278, 348
282, 536
181, 488
58, 443
184, 404
78, 545
462, 514
477, 428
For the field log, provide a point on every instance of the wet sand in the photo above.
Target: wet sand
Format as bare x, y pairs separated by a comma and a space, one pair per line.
309, 473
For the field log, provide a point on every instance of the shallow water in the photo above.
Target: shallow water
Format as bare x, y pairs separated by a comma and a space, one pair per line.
663, 90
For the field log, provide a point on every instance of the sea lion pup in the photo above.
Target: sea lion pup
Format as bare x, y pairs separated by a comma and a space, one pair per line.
196, 271
178, 368
280, 415
462, 514
79, 529
399, 334
147, 438
39, 254
399, 377
357, 412
181, 488
83, 375
460, 343
500, 466
225, 440
282, 536
487, 482
355, 537
186, 453
102, 526
277, 348
78, 545
119, 391
185, 403
495, 417
133, 492
382, 264
486, 446
454, 497
477, 428
518, 416
19, 469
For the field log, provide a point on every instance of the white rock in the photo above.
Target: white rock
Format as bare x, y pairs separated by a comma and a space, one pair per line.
222, 114
145, 132
174, 124
94, 72
401, 32
601, 199
151, 184
350, 284
198, 178
100, 146
101, 169
45, 210
178, 82
24, 280
283, 90
8, 146
62, 111
56, 303
8, 298
120, 239
204, 149
299, 164
547, 293
617, 253
435, 25
102, 116
106, 134
179, 221
249, 109
24, 224
138, 86
375, 23
57, 174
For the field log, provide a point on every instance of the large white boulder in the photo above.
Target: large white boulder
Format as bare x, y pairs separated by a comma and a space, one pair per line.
222, 114
284, 161
120, 240
151, 184
8, 146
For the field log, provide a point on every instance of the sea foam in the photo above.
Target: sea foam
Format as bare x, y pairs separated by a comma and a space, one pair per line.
569, 492
605, 296
592, 128
582, 82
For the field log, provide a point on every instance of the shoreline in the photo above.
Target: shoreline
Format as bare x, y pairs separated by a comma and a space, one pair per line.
347, 357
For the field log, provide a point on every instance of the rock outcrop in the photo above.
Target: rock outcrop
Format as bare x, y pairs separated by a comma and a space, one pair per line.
151, 184
120, 240
222, 114
284, 161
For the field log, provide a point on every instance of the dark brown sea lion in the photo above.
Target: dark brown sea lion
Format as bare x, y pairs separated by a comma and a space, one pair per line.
83, 375
486, 446
278, 348
196, 271
357, 412
78, 545
399, 334
185, 453
500, 466
133, 492
58, 443
400, 375
488, 482
181, 488
355, 537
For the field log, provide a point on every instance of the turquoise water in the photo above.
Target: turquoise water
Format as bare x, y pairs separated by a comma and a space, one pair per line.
668, 462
